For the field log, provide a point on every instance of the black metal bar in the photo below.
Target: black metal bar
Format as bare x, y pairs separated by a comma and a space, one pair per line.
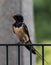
18, 44
18, 54
42, 55
25, 44
6, 55
30, 55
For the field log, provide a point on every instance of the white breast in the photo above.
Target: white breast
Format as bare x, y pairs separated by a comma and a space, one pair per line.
21, 34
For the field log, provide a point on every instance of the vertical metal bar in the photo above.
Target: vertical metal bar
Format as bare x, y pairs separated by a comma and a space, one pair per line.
18, 54
6, 54
42, 55
30, 55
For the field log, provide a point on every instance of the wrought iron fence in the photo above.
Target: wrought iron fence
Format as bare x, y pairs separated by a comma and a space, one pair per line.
18, 44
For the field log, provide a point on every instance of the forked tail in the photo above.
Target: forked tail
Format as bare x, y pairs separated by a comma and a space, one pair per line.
34, 51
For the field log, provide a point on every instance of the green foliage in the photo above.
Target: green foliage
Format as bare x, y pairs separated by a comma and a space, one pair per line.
42, 16
43, 26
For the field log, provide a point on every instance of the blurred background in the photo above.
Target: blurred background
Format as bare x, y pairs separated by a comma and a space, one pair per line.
42, 18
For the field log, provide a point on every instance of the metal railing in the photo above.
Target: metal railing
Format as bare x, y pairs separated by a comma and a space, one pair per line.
18, 44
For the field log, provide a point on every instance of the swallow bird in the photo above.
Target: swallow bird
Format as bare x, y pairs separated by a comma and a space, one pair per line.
21, 30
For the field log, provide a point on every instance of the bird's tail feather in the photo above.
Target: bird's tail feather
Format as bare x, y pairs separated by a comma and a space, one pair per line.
40, 55
28, 47
34, 51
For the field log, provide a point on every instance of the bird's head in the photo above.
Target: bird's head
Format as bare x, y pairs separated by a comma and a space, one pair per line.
18, 18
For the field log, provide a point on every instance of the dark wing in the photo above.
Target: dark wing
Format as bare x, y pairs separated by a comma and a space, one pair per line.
26, 29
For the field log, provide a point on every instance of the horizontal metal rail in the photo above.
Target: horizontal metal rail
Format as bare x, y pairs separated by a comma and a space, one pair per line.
18, 44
